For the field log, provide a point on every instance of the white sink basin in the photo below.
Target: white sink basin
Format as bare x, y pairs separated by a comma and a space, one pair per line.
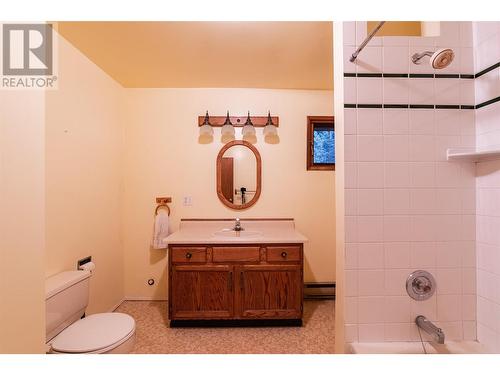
235, 234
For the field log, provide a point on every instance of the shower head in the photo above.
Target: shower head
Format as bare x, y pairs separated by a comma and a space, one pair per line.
438, 60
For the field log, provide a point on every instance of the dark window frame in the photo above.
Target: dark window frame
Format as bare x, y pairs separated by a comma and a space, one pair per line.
312, 122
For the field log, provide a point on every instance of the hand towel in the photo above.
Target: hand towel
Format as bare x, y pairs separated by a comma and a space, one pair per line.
160, 230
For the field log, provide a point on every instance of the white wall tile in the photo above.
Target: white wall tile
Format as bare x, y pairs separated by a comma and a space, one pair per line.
396, 201
370, 332
350, 90
370, 148
370, 175
396, 90
369, 90
370, 256
350, 121
351, 310
370, 201
398, 309
396, 148
370, 228
396, 175
447, 91
448, 282
349, 33
370, 60
422, 122
370, 121
351, 256
397, 254
395, 282
396, 228
395, 121
423, 255
449, 308
422, 91
396, 59
370, 283
423, 174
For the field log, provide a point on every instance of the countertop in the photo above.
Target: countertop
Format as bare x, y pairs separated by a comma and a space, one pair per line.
203, 232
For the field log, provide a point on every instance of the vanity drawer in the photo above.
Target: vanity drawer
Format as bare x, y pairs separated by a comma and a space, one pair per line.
283, 254
189, 255
236, 254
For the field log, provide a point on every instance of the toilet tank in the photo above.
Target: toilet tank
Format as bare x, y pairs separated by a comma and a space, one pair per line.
66, 298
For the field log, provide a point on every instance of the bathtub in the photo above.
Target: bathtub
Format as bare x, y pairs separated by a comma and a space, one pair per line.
449, 347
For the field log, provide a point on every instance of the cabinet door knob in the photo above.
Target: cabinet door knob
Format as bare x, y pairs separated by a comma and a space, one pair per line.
189, 255
284, 254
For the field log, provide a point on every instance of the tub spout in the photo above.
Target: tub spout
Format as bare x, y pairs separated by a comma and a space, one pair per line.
436, 332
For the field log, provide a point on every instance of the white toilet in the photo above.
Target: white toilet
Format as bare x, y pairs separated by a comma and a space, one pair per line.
67, 297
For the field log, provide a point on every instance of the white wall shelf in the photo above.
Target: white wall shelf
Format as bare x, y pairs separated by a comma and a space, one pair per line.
457, 154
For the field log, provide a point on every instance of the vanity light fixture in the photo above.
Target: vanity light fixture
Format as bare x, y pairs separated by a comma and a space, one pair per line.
206, 129
227, 130
270, 129
248, 129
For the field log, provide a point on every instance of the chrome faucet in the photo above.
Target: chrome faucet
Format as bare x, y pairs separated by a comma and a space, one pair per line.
237, 225
436, 332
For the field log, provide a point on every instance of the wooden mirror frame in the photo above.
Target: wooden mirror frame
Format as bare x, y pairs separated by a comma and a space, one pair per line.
258, 189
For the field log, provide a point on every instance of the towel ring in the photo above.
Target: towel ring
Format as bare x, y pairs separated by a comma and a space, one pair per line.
162, 206
162, 203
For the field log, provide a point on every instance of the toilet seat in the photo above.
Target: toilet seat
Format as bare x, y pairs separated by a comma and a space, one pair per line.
97, 333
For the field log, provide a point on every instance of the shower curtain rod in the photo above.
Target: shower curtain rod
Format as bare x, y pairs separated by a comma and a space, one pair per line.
365, 42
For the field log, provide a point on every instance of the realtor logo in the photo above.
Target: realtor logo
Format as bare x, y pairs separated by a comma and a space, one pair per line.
27, 49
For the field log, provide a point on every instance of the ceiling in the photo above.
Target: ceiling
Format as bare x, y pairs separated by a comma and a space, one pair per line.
279, 55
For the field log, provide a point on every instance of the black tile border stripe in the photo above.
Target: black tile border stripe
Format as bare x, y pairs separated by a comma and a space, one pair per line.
422, 106
394, 75
447, 106
488, 69
423, 75
488, 102
369, 75
396, 105
417, 106
418, 75
369, 105
446, 75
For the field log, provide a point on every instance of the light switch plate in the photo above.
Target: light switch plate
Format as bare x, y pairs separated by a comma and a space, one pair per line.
187, 201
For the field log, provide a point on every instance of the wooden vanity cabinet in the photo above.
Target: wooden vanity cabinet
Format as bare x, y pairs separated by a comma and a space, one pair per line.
236, 283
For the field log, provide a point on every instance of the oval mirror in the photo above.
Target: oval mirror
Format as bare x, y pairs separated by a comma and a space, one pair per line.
238, 175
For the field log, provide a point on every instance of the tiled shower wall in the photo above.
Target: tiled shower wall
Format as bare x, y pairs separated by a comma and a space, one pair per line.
487, 53
407, 208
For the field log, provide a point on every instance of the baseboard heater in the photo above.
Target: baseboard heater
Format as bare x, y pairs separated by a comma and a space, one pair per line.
321, 290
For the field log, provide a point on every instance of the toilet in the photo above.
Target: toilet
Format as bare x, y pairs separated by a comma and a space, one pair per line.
67, 297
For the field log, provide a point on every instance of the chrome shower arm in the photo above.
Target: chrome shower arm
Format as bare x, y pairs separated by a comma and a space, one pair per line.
365, 42
416, 57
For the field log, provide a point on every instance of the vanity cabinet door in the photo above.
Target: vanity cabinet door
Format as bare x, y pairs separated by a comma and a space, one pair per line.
269, 291
201, 292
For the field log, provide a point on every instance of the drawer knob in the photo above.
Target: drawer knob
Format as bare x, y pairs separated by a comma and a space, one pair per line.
284, 254
189, 255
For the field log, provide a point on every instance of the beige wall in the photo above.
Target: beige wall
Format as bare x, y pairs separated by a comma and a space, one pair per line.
163, 158
84, 174
22, 310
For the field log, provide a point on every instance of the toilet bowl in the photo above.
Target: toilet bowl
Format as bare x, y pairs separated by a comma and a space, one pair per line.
66, 298
107, 333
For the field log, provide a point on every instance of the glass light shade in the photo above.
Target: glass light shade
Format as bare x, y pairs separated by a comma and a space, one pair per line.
248, 130
227, 130
270, 130
206, 130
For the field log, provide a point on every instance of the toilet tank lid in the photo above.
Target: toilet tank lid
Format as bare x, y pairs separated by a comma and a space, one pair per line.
59, 282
